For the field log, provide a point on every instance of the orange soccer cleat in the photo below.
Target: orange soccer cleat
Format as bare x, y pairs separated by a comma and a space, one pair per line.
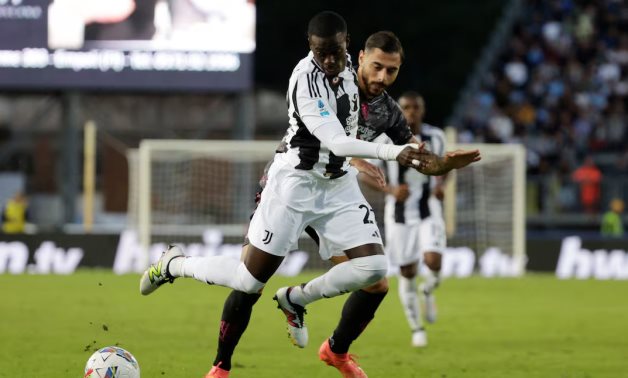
345, 363
217, 372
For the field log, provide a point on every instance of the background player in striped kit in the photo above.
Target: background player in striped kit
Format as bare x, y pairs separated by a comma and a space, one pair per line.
415, 229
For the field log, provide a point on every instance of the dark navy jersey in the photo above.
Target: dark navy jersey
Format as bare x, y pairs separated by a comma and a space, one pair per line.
382, 115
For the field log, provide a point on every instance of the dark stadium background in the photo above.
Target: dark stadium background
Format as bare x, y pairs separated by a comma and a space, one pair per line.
442, 40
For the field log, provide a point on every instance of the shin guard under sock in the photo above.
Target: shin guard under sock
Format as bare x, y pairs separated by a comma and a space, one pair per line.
358, 311
236, 314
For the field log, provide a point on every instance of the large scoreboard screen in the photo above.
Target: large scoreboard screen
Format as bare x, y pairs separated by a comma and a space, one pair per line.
197, 45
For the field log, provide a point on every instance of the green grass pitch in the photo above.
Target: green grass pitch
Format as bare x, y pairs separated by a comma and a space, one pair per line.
536, 326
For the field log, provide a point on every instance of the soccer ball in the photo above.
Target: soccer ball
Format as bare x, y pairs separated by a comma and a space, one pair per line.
112, 362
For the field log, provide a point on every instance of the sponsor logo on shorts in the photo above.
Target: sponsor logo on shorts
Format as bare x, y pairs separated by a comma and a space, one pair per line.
267, 237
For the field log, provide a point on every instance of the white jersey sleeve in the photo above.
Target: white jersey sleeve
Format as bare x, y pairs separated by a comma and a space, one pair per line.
340, 144
313, 108
321, 121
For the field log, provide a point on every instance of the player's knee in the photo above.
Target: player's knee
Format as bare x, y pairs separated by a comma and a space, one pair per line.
240, 299
380, 286
246, 282
373, 268
408, 271
432, 260
252, 287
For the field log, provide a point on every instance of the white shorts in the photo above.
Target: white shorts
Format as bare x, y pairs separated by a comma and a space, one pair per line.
406, 243
294, 199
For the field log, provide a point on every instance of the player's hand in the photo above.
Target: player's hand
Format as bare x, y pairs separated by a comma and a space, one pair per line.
401, 192
435, 165
461, 158
414, 156
370, 170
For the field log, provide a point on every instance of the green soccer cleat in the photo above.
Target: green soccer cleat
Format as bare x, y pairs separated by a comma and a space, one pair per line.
157, 274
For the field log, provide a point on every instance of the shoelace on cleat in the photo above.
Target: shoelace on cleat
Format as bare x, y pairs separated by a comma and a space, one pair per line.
353, 358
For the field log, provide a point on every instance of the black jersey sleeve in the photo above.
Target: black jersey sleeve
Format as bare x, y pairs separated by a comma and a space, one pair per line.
398, 131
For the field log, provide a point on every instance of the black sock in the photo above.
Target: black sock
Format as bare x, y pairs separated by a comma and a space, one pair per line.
236, 314
358, 311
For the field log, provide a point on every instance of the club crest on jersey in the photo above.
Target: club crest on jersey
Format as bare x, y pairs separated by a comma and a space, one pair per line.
322, 110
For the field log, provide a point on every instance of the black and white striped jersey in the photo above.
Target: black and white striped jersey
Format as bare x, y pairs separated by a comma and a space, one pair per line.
417, 206
312, 100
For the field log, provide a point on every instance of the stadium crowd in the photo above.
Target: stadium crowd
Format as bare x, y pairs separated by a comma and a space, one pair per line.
560, 87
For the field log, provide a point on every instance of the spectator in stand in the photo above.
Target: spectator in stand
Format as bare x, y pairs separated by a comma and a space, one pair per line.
563, 81
612, 225
14, 214
560, 86
589, 177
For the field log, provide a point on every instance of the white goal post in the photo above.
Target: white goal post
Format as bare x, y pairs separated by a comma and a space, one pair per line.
485, 202
160, 160
178, 189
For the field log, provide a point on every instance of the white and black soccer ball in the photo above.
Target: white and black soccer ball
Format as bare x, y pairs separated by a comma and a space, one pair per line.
112, 362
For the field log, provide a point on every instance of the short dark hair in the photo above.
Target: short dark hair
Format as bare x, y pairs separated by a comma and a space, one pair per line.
386, 41
326, 24
413, 95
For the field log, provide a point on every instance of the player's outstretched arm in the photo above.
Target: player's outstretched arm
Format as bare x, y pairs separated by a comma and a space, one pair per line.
332, 135
435, 165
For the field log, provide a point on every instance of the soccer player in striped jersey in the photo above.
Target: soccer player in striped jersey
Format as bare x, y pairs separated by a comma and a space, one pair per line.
309, 183
415, 229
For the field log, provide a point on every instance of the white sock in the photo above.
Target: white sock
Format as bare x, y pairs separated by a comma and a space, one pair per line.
410, 301
343, 278
175, 266
216, 270
431, 281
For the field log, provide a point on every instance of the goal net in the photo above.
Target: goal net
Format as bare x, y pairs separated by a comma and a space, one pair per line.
187, 191
485, 206
200, 194
180, 188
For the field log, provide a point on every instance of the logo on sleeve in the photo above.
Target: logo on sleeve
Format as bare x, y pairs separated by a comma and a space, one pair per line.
322, 110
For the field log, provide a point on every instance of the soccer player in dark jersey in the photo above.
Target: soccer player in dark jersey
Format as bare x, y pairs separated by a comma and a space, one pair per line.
379, 65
